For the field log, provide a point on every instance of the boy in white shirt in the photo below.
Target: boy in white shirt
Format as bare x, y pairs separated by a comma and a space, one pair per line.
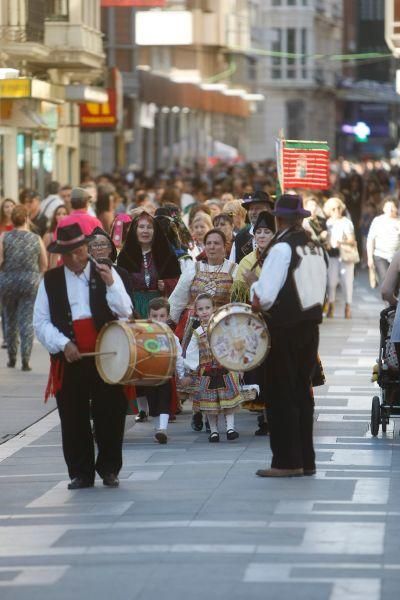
159, 397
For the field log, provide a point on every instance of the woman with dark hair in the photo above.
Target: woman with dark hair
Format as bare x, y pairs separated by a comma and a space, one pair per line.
150, 260
6, 208
213, 275
50, 236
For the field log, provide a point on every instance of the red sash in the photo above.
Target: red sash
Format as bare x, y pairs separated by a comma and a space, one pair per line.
85, 334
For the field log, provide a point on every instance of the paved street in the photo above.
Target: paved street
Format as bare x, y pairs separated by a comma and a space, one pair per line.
191, 520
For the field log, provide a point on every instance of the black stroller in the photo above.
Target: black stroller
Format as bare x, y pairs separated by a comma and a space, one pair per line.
386, 373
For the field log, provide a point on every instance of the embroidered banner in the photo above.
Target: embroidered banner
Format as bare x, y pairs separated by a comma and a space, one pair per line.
303, 164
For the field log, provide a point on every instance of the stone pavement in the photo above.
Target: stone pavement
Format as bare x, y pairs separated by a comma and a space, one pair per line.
191, 520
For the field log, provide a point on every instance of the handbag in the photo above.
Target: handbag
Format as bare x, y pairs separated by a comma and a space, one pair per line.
349, 252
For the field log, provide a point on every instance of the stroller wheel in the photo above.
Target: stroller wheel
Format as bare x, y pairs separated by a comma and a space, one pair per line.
375, 415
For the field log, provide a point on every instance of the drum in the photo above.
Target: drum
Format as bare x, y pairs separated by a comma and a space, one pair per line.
238, 337
136, 352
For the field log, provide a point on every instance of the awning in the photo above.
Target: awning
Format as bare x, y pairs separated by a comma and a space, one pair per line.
27, 87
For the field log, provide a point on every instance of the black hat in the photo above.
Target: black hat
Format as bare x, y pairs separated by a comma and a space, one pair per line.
289, 205
69, 238
258, 196
265, 219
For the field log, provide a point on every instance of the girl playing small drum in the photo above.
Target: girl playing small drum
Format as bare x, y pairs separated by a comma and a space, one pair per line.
217, 390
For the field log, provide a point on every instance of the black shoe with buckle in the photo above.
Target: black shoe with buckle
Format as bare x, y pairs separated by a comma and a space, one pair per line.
231, 434
78, 483
111, 480
213, 438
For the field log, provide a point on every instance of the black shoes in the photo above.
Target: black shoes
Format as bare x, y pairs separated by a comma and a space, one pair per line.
111, 480
231, 434
141, 417
25, 366
78, 483
11, 363
213, 438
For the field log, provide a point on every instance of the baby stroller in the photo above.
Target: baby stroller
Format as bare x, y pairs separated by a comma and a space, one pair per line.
386, 373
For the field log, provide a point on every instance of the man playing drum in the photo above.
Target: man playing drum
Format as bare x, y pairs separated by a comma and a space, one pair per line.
291, 291
74, 301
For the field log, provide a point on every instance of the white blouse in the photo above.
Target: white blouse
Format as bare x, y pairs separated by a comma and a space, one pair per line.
338, 230
180, 297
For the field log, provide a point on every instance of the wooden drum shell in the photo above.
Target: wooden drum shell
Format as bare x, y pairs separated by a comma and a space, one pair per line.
146, 356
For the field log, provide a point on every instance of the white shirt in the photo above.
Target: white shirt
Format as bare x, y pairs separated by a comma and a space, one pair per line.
273, 275
180, 297
232, 256
49, 205
78, 296
338, 230
180, 364
384, 237
192, 357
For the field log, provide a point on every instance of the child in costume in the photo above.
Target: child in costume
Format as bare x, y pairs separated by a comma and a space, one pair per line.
217, 390
159, 397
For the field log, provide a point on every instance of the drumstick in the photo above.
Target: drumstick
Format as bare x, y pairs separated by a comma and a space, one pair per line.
88, 354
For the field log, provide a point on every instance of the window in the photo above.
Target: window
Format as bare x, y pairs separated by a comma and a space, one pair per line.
277, 60
294, 42
57, 10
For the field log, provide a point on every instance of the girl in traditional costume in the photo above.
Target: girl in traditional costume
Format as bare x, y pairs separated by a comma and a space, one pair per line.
217, 390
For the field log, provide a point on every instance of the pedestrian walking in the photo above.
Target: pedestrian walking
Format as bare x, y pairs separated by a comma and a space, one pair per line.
22, 259
383, 239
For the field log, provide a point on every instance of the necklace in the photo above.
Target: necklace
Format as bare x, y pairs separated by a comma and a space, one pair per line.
210, 287
146, 264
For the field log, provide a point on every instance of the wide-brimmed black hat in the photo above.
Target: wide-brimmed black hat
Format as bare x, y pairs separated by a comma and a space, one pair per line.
258, 197
265, 219
69, 238
289, 205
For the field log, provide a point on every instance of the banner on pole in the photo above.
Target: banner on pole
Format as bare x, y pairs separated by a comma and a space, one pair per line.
302, 164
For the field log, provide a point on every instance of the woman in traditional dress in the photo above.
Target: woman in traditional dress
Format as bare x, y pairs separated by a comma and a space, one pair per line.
263, 232
213, 275
150, 260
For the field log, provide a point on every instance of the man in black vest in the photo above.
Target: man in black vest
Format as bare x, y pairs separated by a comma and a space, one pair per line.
244, 240
290, 291
74, 301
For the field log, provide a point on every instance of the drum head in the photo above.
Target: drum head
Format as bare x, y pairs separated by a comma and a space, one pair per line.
239, 340
113, 338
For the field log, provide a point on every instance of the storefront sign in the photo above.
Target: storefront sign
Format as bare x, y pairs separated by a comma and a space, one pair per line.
108, 115
25, 87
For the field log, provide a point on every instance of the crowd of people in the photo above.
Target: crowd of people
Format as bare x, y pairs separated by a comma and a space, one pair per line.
175, 247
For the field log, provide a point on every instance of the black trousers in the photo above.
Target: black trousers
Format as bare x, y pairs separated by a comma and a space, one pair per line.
159, 399
290, 401
81, 385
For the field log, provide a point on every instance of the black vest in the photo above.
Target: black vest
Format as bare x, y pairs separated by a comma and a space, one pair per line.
60, 309
243, 244
287, 310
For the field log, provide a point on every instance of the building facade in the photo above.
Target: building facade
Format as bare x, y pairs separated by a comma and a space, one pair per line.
299, 88
51, 51
181, 100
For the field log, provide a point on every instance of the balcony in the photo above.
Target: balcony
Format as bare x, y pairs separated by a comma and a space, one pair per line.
23, 42
73, 46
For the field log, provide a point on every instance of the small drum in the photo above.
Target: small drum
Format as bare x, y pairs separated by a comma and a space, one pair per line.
136, 352
238, 337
